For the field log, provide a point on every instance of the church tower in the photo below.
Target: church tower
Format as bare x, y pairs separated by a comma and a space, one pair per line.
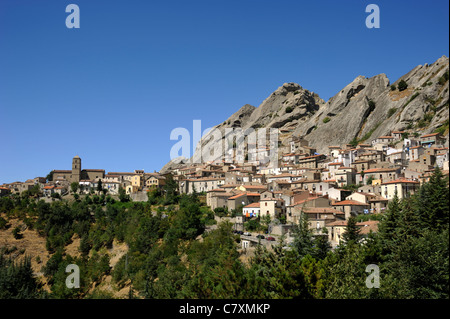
76, 169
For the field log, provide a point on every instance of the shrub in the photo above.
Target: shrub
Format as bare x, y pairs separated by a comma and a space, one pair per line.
289, 109
326, 120
221, 211
3, 223
354, 142
402, 85
412, 98
428, 117
391, 112
442, 129
443, 78
56, 195
16, 233
393, 87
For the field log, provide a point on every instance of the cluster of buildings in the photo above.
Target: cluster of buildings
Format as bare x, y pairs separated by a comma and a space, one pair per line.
329, 188
88, 180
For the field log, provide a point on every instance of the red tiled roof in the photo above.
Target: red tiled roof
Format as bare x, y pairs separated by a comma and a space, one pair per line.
330, 210
374, 170
246, 194
350, 203
401, 180
305, 200
252, 205
429, 135
254, 186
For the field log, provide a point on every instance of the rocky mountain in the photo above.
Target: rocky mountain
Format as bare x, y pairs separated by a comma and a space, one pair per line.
363, 110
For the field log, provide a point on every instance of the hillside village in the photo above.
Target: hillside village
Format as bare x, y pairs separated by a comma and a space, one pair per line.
348, 180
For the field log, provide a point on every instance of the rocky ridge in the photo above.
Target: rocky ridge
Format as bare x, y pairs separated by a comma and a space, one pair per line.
363, 110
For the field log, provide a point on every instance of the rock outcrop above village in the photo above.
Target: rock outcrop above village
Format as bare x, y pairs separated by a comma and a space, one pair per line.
363, 110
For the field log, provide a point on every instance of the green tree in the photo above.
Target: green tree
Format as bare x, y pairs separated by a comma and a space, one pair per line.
170, 190
17, 280
431, 202
50, 176
419, 267
402, 85
74, 187
352, 231
303, 238
123, 197
322, 245
99, 186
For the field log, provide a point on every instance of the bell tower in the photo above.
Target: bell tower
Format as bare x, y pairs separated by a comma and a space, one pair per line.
76, 169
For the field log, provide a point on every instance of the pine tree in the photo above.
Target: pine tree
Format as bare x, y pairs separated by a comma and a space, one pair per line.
352, 231
303, 239
322, 246
388, 227
432, 202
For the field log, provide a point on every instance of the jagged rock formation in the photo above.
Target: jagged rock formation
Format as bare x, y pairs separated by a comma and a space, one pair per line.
363, 110
368, 107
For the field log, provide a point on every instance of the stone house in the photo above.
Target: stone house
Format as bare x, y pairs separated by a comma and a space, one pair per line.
204, 184
157, 181
351, 207
382, 174
217, 198
319, 217
404, 188
271, 205
432, 139
337, 194
251, 210
415, 152
236, 201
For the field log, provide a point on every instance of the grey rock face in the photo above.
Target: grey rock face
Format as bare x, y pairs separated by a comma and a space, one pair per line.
364, 109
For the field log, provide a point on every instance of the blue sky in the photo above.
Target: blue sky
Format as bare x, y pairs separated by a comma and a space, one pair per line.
113, 90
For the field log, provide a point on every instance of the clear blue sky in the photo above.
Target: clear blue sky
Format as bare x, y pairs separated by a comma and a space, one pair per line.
113, 90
